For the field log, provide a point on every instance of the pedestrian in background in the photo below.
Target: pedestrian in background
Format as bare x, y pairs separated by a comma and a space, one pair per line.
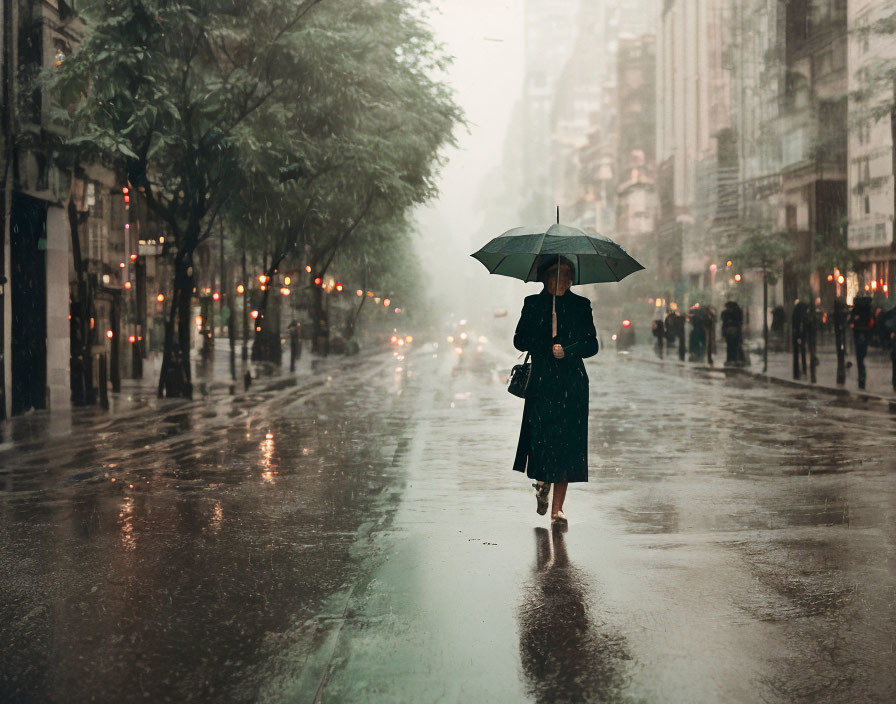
887, 323
697, 341
799, 334
710, 334
659, 333
669, 327
732, 331
553, 442
861, 320
675, 331
779, 320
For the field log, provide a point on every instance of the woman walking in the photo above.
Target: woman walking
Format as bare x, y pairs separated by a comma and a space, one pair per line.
553, 443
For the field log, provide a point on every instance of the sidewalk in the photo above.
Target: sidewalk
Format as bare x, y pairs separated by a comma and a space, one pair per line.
138, 398
878, 387
877, 363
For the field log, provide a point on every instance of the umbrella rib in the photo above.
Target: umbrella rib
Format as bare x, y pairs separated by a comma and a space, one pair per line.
588, 240
537, 254
607, 262
605, 258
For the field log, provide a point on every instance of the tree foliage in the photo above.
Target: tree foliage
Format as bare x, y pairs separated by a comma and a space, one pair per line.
876, 96
302, 120
764, 249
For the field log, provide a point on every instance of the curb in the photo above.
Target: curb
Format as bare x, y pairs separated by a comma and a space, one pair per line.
888, 404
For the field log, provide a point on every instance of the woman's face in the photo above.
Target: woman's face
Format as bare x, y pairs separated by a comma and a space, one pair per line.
560, 287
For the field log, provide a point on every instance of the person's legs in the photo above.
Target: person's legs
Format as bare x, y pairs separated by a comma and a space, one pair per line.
542, 489
893, 358
861, 342
559, 496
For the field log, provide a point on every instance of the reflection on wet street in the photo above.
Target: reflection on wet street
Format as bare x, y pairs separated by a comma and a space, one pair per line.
564, 655
361, 537
173, 558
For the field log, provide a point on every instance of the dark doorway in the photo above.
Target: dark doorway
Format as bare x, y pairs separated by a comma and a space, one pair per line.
28, 244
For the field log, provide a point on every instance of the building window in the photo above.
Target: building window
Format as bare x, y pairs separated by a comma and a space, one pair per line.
864, 34
867, 205
790, 217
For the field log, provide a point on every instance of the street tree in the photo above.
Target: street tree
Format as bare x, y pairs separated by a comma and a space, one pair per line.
163, 91
764, 249
359, 136
385, 254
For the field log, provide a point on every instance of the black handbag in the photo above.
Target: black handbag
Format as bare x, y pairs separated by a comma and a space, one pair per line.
519, 378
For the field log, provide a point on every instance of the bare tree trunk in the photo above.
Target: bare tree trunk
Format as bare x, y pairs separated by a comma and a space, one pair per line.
80, 364
245, 353
840, 337
353, 319
764, 321
320, 325
175, 378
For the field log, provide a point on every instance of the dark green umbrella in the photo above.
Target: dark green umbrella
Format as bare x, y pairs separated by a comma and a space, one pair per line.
519, 252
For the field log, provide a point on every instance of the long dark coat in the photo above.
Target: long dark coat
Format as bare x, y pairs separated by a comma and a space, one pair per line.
553, 444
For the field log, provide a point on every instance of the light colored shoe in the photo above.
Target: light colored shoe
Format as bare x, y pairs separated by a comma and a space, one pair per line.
541, 494
559, 518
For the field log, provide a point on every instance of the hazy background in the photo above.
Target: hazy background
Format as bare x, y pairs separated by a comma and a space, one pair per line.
485, 37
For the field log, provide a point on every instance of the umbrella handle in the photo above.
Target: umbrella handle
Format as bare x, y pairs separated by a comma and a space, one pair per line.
556, 284
554, 318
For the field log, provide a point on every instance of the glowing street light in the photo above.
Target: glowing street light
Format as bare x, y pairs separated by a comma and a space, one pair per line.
160, 298
240, 289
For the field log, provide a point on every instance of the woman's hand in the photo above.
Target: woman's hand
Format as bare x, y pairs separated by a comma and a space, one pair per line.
558, 352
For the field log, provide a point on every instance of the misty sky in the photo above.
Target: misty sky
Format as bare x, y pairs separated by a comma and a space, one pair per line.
487, 77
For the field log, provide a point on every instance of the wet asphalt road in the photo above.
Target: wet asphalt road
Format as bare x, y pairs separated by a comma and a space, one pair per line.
735, 543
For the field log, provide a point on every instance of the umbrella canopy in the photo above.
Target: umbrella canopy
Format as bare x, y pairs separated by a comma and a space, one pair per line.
596, 258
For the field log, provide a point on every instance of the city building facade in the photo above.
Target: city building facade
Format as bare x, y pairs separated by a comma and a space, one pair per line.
871, 154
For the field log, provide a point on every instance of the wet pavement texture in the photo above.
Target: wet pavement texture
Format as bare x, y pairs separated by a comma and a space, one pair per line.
735, 543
